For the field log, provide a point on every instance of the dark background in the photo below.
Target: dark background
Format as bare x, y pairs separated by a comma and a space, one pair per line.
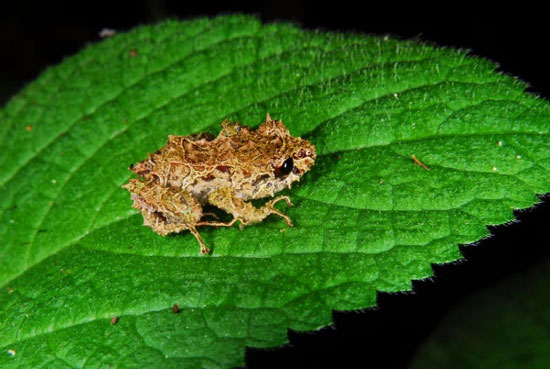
34, 35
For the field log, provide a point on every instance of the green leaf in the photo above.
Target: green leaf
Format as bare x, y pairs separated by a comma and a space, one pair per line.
504, 326
367, 218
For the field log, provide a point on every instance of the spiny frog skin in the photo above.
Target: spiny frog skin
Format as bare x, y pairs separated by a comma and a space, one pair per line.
239, 165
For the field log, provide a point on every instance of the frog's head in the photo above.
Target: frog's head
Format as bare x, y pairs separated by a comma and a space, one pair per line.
292, 157
294, 160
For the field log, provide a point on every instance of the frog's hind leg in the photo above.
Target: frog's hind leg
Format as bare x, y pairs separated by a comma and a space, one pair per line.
167, 209
218, 224
227, 200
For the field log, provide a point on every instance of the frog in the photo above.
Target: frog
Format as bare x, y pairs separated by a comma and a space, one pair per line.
241, 164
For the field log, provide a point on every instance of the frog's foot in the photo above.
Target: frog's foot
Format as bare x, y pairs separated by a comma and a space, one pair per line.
267, 210
204, 249
270, 208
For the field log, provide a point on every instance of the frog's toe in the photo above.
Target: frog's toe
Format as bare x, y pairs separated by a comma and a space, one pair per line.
280, 198
288, 221
205, 250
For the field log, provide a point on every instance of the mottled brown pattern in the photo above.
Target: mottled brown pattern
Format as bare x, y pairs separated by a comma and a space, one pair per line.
238, 165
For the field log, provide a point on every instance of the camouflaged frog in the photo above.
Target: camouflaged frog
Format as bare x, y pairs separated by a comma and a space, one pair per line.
239, 165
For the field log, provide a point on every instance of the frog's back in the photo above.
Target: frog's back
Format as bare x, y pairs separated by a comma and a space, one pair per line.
247, 161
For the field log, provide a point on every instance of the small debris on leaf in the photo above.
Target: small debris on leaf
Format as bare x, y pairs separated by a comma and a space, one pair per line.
419, 162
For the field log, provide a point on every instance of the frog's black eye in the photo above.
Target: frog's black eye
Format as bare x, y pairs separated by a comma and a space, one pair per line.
286, 168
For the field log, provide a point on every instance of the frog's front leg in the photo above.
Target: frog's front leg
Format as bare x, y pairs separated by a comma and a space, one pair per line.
167, 209
227, 200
